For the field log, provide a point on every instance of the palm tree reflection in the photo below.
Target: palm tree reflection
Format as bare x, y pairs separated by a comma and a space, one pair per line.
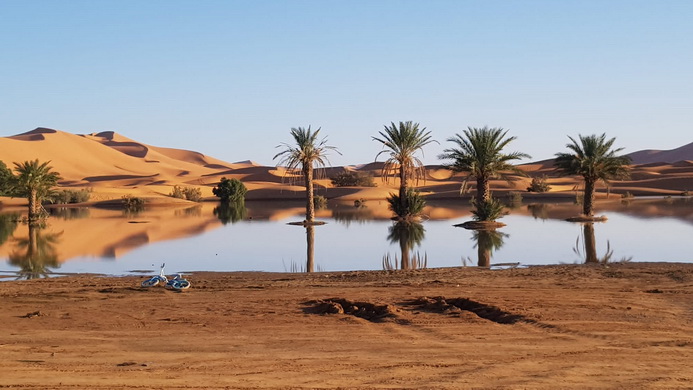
407, 234
486, 242
591, 244
35, 254
588, 252
310, 248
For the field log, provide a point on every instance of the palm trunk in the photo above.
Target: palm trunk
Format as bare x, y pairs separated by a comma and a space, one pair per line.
590, 244
310, 248
310, 205
588, 200
34, 210
483, 190
403, 185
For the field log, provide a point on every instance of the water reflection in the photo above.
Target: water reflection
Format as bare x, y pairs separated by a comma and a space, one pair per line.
486, 242
539, 210
407, 235
310, 248
196, 239
231, 212
8, 224
35, 253
68, 213
347, 215
588, 251
195, 211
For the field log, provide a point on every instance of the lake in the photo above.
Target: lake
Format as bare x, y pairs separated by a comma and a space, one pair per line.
257, 238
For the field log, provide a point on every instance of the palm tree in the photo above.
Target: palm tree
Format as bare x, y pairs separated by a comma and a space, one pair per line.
401, 143
479, 152
35, 181
594, 160
301, 157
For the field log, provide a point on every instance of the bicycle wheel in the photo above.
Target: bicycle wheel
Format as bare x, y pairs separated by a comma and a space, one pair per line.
150, 282
181, 284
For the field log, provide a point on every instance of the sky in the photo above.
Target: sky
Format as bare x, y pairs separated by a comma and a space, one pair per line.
231, 78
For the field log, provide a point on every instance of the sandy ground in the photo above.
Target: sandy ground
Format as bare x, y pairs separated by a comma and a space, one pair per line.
624, 326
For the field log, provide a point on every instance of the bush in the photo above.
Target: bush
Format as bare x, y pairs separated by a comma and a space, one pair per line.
230, 190
539, 184
319, 201
177, 192
489, 210
70, 196
189, 193
415, 204
192, 194
353, 179
133, 203
6, 177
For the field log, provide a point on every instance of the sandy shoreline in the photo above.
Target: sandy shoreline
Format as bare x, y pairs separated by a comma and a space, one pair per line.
573, 326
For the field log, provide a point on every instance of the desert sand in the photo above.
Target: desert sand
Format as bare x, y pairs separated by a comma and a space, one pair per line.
112, 165
627, 326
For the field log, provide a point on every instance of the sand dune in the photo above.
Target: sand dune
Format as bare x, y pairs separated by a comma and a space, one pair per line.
663, 156
112, 165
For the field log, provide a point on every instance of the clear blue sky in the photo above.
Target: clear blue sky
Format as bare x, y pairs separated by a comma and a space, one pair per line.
230, 78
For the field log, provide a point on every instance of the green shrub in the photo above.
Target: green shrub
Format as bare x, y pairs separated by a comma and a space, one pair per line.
70, 196
319, 201
189, 193
353, 179
177, 192
489, 210
6, 177
230, 190
192, 194
415, 204
539, 184
133, 203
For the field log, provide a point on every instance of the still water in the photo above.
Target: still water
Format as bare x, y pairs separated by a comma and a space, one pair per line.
257, 238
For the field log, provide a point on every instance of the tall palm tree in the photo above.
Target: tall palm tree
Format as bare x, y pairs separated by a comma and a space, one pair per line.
594, 160
479, 152
307, 152
35, 181
401, 143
